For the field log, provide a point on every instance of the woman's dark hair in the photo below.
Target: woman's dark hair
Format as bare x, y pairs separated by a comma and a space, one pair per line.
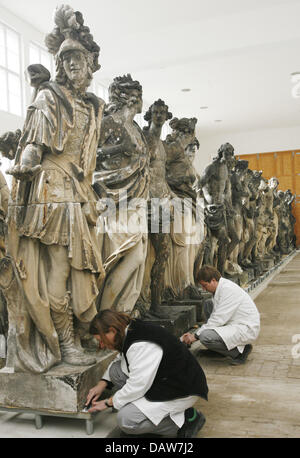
107, 319
207, 274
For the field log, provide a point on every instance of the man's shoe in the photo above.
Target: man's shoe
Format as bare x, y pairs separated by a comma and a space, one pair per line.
241, 359
194, 421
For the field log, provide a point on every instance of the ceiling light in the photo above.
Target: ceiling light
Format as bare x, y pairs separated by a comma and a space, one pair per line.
186, 90
218, 120
295, 77
203, 108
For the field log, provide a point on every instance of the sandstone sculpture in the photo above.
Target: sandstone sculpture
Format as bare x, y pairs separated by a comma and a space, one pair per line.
122, 172
55, 269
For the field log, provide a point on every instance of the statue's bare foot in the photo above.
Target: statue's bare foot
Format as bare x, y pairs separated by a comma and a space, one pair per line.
24, 172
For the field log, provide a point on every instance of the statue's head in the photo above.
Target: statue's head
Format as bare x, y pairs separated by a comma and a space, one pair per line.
75, 51
273, 183
183, 129
191, 149
263, 185
241, 166
226, 154
124, 91
37, 74
158, 114
225, 151
255, 179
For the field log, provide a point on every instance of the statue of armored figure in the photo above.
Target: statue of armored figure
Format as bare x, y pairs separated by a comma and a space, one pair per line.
55, 269
122, 177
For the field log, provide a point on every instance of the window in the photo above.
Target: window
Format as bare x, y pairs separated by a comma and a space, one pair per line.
139, 118
39, 55
101, 91
10, 71
166, 130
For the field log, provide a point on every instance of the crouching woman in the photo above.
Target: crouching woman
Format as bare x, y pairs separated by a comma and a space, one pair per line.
157, 378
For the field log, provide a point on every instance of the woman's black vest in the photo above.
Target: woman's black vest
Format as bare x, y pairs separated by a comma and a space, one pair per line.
179, 374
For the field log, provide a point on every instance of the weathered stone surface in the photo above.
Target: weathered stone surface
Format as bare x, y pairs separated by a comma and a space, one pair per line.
182, 319
62, 389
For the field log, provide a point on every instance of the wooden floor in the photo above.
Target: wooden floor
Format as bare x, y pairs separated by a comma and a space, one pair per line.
262, 397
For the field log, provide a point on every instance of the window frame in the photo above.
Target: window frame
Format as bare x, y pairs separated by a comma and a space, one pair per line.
41, 49
5, 68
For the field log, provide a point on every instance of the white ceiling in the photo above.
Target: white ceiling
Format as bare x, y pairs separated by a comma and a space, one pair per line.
236, 56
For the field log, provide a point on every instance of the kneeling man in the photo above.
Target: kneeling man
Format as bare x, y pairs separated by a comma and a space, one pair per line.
234, 321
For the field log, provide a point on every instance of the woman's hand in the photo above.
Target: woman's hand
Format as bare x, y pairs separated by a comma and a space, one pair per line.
95, 392
98, 406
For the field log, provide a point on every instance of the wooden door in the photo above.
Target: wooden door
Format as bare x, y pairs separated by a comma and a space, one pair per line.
285, 166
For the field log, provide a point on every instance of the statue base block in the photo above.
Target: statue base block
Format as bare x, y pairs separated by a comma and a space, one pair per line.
267, 263
181, 319
62, 390
198, 303
251, 274
241, 279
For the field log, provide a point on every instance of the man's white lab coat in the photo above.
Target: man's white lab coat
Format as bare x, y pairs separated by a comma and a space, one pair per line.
234, 317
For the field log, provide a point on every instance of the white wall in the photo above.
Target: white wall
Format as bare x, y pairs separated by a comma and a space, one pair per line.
247, 142
28, 33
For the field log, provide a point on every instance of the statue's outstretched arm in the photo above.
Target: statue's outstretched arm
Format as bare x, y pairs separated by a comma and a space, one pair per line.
29, 166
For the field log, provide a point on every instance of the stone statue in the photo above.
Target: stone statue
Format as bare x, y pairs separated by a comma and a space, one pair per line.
4, 197
186, 232
180, 173
252, 180
56, 269
273, 224
284, 222
289, 199
262, 221
190, 152
122, 172
9, 144
159, 214
216, 187
239, 192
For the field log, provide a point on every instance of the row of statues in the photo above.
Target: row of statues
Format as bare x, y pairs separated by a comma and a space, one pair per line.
248, 218
103, 214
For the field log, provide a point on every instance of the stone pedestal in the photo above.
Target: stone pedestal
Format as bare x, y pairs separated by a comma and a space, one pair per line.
267, 263
181, 319
62, 390
241, 279
251, 274
198, 303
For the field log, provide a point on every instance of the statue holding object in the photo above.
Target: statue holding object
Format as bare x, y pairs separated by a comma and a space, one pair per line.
56, 267
122, 172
